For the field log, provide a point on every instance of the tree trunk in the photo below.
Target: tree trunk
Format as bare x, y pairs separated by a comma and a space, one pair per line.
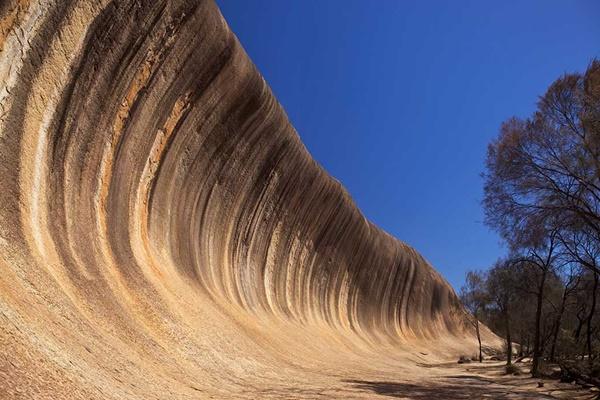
522, 345
538, 320
508, 340
478, 339
557, 325
590, 318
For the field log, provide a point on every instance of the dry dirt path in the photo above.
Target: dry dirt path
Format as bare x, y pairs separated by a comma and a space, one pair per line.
453, 381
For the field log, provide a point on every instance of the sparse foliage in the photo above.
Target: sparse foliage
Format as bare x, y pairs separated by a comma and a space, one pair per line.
475, 298
542, 195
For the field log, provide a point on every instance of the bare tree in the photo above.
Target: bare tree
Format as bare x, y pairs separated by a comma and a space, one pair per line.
501, 287
474, 296
543, 260
569, 285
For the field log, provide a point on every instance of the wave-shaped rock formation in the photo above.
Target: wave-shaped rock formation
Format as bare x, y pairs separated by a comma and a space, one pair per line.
165, 234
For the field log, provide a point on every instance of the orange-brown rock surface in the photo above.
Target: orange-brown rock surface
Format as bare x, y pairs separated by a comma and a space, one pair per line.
164, 234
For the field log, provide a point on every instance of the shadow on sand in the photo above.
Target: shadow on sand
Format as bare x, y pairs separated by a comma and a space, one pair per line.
467, 387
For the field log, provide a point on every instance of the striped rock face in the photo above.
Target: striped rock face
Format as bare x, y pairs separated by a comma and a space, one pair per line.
164, 234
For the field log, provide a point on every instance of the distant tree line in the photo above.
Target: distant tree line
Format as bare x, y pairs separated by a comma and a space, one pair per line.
542, 195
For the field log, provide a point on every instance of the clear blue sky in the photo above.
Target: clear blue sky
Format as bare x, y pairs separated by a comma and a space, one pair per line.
399, 99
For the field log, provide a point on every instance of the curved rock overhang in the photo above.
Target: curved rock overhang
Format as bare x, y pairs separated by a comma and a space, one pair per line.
163, 230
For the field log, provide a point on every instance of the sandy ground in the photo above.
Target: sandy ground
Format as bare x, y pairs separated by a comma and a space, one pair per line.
452, 381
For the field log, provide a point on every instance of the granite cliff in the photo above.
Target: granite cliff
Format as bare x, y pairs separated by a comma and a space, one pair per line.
165, 234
